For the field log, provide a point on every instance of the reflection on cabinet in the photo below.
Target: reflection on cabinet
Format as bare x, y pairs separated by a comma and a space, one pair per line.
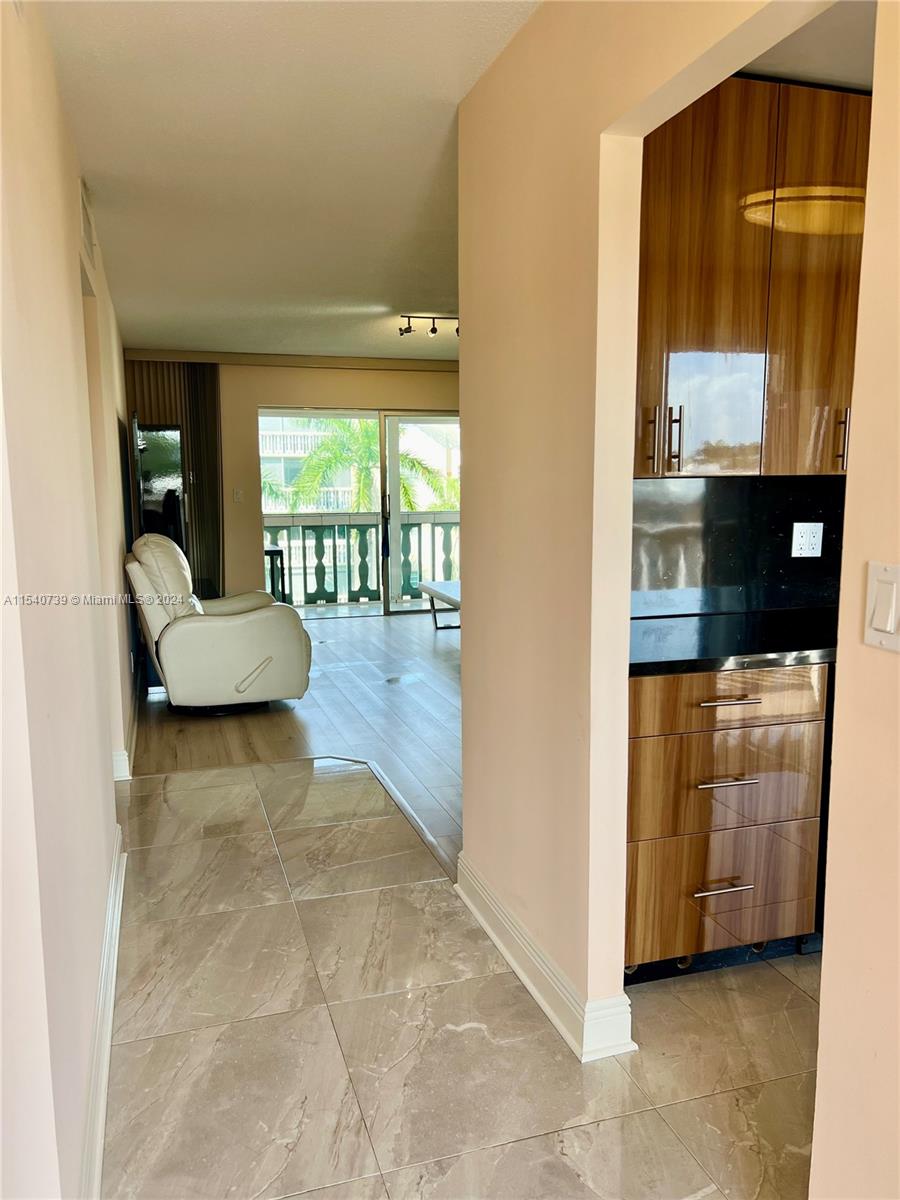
823, 150
751, 216
712, 890
704, 285
702, 781
724, 795
722, 699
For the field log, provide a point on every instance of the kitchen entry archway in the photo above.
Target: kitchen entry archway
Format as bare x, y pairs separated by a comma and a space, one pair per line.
358, 507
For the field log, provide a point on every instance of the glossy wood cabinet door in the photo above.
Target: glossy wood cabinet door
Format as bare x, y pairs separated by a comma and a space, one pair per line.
709, 891
724, 699
696, 782
823, 149
704, 285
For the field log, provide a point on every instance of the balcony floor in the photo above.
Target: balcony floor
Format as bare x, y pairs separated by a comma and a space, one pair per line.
384, 689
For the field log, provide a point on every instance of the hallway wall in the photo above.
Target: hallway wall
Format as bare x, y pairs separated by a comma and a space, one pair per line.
855, 1145
545, 226
62, 671
243, 390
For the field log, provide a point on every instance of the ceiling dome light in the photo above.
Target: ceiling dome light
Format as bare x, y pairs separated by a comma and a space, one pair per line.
432, 332
815, 209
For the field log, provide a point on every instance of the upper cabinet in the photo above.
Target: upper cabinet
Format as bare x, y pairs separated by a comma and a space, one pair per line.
823, 150
751, 217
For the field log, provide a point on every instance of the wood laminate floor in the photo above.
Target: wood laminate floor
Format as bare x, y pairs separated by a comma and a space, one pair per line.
385, 689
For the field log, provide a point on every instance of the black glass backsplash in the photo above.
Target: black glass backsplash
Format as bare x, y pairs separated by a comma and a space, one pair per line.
724, 545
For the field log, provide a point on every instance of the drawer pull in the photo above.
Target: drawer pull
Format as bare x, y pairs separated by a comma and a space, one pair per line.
725, 891
723, 783
732, 700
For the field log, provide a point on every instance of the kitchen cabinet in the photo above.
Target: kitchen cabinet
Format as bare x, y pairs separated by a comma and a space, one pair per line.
823, 150
724, 797
751, 217
704, 285
712, 891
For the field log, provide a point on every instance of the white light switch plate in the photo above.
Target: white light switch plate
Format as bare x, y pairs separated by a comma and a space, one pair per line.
807, 539
883, 606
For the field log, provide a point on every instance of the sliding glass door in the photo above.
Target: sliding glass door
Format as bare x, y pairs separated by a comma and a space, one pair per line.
420, 505
358, 507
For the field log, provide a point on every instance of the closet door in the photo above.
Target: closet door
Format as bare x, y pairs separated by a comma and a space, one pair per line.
823, 147
704, 285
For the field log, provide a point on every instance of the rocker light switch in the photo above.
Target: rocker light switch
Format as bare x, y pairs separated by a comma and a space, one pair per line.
882, 605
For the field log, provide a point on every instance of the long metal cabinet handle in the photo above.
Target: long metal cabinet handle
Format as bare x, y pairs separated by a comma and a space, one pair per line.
673, 455
843, 424
653, 422
723, 783
725, 891
731, 700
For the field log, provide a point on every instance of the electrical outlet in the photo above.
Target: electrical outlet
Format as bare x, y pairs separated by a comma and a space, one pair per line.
807, 539
238, 495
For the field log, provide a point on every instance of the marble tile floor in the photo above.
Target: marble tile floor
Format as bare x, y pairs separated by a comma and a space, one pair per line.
305, 1008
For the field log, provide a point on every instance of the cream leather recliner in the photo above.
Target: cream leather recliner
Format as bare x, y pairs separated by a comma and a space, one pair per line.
237, 650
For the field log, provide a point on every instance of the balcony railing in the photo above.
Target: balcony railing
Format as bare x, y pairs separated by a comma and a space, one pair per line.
334, 558
275, 443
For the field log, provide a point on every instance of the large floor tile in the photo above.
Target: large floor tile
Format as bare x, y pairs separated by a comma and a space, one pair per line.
395, 938
202, 877
755, 1142
370, 1188
719, 1030
803, 970
323, 791
164, 818
625, 1158
181, 781
260, 1108
330, 859
443, 1070
198, 971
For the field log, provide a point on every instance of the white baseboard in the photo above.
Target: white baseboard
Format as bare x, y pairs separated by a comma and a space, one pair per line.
593, 1029
101, 1041
121, 764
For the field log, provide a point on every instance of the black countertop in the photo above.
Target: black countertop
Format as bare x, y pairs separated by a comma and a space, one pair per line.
729, 641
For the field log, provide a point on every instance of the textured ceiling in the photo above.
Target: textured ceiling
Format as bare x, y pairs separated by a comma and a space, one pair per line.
275, 177
835, 48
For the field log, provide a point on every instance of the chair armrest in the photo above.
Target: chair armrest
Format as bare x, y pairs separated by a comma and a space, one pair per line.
240, 602
236, 658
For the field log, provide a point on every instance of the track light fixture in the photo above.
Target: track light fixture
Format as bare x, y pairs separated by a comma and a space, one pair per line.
433, 330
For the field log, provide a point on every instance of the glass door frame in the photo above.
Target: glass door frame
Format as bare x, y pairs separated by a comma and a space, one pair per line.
383, 415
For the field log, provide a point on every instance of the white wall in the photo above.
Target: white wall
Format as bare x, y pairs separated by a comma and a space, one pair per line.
58, 810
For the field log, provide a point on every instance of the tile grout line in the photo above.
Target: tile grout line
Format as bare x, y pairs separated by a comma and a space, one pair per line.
727, 1092
362, 1115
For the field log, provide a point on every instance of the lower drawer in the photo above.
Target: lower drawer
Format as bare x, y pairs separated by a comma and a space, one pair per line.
697, 782
714, 890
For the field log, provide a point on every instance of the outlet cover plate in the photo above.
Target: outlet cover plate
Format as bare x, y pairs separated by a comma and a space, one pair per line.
806, 541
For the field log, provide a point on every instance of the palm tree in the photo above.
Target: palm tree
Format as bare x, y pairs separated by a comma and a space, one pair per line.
273, 492
353, 443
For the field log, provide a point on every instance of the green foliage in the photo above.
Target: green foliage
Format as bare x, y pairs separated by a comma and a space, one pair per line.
354, 443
